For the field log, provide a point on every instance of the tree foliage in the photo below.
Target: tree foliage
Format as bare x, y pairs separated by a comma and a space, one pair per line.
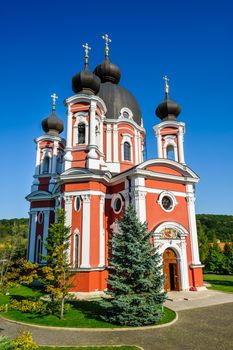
56, 274
217, 226
135, 275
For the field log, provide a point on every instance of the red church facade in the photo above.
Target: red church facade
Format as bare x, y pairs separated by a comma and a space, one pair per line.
99, 169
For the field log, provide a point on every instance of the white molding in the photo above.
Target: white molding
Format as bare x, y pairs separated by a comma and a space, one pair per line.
169, 194
102, 233
126, 138
32, 238
115, 143
81, 118
68, 156
127, 110
113, 199
192, 225
170, 141
45, 230
86, 98
85, 258
68, 220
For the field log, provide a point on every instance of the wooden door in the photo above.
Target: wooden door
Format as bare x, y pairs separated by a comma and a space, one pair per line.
171, 270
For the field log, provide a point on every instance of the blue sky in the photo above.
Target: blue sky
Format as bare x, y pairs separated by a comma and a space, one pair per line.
190, 41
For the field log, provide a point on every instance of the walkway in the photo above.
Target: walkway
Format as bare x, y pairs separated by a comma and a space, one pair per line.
207, 327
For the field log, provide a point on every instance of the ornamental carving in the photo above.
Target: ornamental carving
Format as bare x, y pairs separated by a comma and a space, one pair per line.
170, 233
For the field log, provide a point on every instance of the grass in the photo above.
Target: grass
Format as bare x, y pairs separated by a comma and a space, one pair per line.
223, 283
83, 314
91, 348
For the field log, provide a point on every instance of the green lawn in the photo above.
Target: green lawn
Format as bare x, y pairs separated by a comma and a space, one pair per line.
83, 314
220, 282
91, 348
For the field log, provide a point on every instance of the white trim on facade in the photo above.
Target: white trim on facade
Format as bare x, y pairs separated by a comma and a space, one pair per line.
85, 256
32, 238
102, 233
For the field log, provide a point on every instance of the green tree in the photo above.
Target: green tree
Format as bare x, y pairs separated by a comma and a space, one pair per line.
135, 275
216, 259
203, 243
56, 274
228, 253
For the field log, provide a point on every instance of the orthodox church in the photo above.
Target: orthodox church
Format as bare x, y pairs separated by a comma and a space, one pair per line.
99, 169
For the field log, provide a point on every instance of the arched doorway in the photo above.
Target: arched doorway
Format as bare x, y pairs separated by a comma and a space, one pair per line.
171, 270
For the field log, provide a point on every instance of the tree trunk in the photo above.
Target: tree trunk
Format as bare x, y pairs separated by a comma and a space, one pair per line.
62, 307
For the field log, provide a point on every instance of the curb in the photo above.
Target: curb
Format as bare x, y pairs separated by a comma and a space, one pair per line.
93, 346
94, 329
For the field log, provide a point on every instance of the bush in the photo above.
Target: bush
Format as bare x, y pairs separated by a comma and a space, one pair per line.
27, 306
24, 341
2, 309
5, 343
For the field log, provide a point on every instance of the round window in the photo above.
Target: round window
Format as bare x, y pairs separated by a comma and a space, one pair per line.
77, 203
125, 114
167, 203
117, 205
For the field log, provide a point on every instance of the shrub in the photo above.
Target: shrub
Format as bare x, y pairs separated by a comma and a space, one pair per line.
5, 343
24, 341
2, 309
27, 306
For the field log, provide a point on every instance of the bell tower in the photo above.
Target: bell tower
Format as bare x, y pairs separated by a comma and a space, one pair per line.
169, 132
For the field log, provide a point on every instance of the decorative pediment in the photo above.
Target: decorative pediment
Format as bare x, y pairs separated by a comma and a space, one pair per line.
39, 195
170, 230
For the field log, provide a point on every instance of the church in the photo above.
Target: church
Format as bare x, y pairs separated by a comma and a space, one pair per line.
99, 169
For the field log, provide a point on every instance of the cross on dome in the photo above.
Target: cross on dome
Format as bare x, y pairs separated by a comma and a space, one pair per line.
107, 41
54, 98
166, 78
87, 49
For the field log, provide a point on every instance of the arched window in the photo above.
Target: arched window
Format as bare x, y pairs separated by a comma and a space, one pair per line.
45, 165
170, 152
127, 151
59, 163
76, 250
81, 133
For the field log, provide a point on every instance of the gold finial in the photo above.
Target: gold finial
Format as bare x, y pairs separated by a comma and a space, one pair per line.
54, 98
87, 49
107, 41
166, 84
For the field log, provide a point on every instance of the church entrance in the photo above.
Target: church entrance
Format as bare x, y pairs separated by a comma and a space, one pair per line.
171, 270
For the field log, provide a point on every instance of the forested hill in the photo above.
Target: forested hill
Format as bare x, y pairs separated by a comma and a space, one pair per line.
214, 226
12, 226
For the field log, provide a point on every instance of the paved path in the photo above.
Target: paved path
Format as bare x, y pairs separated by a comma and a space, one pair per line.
204, 328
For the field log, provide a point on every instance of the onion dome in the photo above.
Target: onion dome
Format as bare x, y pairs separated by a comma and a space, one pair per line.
114, 96
107, 71
167, 109
52, 125
86, 82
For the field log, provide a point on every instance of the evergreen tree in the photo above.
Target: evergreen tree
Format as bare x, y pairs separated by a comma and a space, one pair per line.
56, 274
228, 253
135, 275
216, 259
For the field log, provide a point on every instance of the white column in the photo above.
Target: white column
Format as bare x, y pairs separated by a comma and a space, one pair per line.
45, 230
32, 237
37, 159
140, 204
85, 258
101, 136
159, 145
68, 221
136, 147
54, 158
92, 142
68, 156
115, 143
184, 266
109, 143
102, 234
192, 225
181, 144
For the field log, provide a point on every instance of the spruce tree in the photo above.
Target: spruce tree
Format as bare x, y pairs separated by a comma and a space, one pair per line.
135, 275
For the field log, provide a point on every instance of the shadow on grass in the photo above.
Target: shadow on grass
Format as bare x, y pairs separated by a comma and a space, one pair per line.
222, 283
90, 309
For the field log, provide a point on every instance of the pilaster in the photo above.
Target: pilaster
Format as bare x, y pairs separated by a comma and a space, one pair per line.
32, 237
85, 257
102, 234
68, 221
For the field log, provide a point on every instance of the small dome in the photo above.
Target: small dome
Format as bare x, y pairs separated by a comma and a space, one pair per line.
52, 125
85, 82
168, 109
108, 71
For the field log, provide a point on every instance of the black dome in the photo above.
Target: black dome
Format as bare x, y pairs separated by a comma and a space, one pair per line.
52, 124
168, 109
85, 82
108, 71
116, 97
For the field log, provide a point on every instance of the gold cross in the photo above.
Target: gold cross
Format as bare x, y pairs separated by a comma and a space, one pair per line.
107, 41
166, 84
54, 98
87, 49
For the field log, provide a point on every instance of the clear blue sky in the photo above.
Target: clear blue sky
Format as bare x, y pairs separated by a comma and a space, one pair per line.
191, 41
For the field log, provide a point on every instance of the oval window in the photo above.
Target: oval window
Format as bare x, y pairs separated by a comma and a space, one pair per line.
40, 217
167, 203
77, 203
117, 205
